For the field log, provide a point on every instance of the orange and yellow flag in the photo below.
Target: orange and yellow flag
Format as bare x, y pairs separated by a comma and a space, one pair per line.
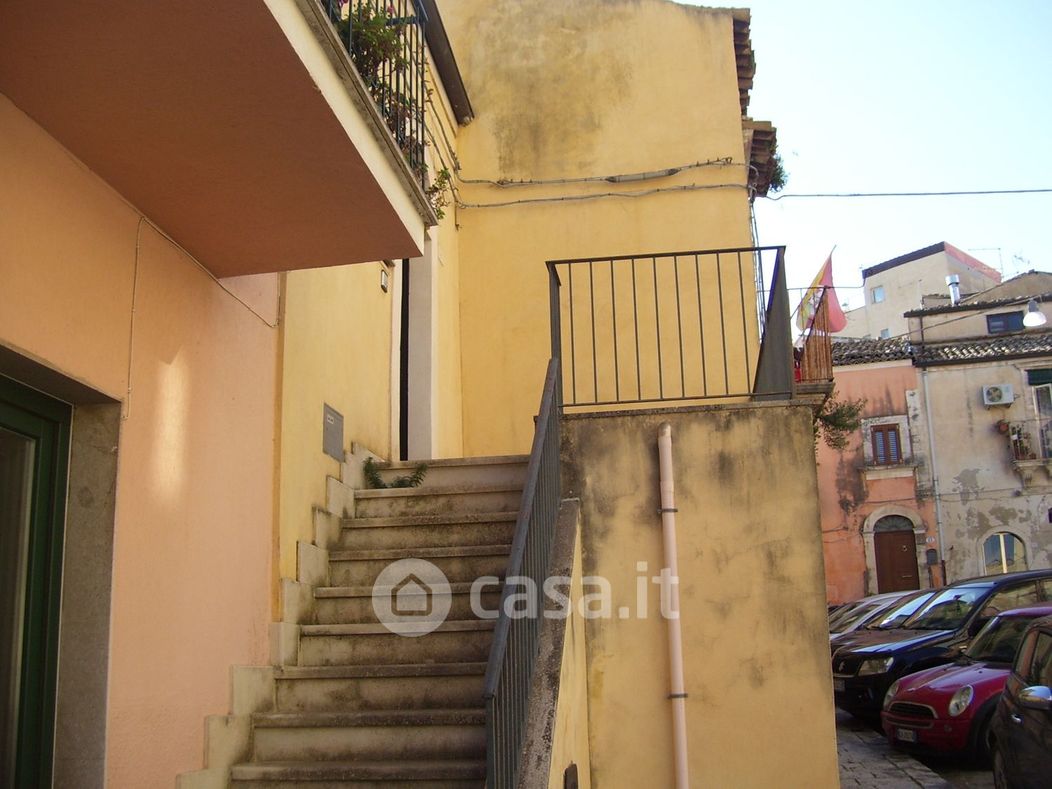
823, 284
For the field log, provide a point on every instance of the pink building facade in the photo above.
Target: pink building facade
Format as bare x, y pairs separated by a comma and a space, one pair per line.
878, 518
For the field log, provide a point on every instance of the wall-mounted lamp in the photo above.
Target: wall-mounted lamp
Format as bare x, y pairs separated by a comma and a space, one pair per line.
1034, 316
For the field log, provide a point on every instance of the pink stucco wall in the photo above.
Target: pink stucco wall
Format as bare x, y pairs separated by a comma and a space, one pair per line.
95, 294
847, 498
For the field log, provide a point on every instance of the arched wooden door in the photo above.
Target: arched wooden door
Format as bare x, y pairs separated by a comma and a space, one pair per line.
895, 548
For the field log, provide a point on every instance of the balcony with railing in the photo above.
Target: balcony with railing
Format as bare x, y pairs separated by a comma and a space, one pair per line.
1029, 446
385, 41
265, 121
814, 351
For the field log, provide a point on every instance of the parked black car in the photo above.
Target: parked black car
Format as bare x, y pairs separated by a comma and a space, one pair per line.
891, 619
1022, 726
936, 634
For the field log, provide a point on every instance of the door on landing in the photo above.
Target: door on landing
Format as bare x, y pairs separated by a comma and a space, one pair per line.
34, 455
895, 547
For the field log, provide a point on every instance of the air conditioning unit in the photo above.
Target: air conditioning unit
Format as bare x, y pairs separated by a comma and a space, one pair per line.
998, 394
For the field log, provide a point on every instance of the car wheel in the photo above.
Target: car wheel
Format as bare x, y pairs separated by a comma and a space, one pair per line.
982, 738
1000, 770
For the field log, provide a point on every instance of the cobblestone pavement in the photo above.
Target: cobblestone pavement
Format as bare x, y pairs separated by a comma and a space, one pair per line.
866, 762
961, 775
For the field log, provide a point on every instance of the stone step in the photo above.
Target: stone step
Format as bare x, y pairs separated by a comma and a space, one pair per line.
454, 641
476, 528
494, 470
394, 502
360, 774
458, 563
354, 604
373, 735
381, 687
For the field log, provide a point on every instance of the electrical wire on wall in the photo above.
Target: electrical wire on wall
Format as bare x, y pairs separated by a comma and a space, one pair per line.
448, 159
596, 196
664, 172
143, 221
131, 318
960, 193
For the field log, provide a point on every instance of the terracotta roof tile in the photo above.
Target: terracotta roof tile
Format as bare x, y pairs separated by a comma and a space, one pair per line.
1006, 346
848, 351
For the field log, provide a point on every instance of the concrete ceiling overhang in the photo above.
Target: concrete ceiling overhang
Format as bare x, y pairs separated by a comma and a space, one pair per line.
202, 115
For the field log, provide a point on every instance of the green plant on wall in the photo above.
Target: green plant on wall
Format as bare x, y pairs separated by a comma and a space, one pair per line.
778, 175
374, 480
438, 192
837, 420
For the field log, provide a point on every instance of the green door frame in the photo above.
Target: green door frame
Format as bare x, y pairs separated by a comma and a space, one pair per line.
47, 421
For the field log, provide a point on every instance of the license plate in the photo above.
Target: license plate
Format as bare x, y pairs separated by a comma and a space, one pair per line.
906, 735
838, 685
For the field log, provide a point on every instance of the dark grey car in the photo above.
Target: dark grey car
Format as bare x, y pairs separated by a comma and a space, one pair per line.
1022, 727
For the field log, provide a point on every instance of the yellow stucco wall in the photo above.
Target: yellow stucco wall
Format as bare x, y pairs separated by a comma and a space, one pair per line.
756, 651
336, 331
590, 88
195, 374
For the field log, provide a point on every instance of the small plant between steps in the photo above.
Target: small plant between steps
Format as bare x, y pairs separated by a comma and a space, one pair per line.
374, 480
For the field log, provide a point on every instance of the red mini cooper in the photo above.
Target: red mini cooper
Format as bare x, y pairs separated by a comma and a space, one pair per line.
949, 708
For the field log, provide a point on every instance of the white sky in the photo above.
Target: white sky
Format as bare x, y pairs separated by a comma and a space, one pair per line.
928, 95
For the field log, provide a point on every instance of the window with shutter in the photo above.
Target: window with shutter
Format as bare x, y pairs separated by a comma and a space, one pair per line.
887, 446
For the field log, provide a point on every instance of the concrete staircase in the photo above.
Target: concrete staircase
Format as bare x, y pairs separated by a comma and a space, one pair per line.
360, 706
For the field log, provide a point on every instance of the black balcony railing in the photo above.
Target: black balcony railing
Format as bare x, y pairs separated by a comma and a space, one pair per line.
385, 40
681, 326
509, 673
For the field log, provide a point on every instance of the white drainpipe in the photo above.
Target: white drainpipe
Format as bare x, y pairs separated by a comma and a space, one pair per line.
677, 693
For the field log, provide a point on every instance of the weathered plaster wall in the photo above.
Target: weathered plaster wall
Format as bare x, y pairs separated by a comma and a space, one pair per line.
753, 608
569, 742
981, 494
850, 498
90, 291
568, 90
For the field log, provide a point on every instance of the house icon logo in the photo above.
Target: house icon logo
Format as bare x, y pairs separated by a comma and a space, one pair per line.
411, 597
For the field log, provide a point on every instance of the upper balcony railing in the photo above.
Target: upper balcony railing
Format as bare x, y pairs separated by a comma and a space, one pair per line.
815, 354
671, 327
385, 40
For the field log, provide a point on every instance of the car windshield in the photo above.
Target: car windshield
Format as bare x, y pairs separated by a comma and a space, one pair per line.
948, 609
998, 641
896, 616
841, 614
856, 615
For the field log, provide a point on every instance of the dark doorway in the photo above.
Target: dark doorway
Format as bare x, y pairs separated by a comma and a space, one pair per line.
895, 547
403, 367
34, 462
